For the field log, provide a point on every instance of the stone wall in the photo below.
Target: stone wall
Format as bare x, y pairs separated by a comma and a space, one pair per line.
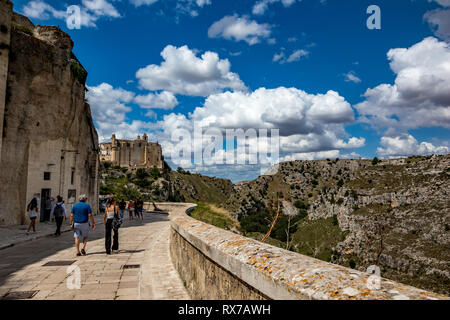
138, 153
217, 264
5, 36
48, 125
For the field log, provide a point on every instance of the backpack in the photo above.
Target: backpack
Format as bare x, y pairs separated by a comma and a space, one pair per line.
58, 211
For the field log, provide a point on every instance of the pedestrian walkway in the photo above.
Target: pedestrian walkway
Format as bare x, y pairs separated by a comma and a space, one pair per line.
13, 235
141, 270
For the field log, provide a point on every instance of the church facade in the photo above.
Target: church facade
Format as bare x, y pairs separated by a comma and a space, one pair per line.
133, 154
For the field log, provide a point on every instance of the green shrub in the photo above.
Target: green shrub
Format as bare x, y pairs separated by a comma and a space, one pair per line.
352, 264
256, 222
155, 173
104, 190
141, 174
280, 228
78, 72
300, 204
335, 220
23, 29
375, 161
143, 183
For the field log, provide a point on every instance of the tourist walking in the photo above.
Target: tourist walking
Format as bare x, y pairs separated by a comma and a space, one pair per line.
79, 220
47, 209
58, 214
139, 204
112, 222
122, 207
33, 210
131, 209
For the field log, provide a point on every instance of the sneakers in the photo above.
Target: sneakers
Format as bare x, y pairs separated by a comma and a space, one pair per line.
83, 252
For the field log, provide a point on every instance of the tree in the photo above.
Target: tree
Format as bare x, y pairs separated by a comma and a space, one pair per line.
155, 173
141, 174
375, 161
290, 211
274, 210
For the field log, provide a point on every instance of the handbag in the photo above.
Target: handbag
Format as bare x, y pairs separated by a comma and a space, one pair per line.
117, 222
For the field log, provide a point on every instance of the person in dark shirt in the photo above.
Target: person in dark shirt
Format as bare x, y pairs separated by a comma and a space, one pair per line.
122, 208
139, 205
79, 219
58, 214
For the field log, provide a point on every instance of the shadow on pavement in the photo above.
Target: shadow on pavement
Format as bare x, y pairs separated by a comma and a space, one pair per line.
21, 255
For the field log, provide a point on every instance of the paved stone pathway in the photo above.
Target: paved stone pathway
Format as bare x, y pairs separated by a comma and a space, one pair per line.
142, 243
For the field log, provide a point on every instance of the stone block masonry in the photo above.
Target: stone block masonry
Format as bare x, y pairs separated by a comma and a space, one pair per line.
133, 154
217, 264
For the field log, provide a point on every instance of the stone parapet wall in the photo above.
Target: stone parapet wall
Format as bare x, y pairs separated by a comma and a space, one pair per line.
217, 264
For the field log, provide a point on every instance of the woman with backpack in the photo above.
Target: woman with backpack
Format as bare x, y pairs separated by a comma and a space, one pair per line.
112, 221
58, 214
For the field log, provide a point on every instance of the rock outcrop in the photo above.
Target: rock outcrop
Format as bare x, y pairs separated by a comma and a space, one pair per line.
47, 123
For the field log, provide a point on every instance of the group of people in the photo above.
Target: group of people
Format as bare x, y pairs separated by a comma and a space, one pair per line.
134, 207
56, 213
81, 216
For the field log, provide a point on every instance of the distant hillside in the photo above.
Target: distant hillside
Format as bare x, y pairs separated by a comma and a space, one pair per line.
198, 188
163, 185
359, 212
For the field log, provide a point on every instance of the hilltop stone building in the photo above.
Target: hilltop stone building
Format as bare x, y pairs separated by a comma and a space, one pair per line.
48, 143
133, 154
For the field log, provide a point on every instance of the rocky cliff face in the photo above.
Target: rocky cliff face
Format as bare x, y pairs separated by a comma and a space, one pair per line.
395, 214
45, 101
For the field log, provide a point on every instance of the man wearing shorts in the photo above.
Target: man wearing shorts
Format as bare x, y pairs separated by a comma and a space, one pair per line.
79, 220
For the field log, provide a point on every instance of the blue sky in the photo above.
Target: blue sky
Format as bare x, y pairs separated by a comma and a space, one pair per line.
310, 68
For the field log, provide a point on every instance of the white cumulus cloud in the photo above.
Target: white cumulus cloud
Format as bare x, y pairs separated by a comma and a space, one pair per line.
262, 6
182, 72
239, 29
407, 145
164, 100
109, 104
420, 95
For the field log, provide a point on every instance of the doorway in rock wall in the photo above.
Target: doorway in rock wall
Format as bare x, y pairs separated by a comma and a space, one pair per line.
44, 194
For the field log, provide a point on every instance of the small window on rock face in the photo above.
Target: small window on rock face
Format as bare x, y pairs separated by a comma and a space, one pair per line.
47, 176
